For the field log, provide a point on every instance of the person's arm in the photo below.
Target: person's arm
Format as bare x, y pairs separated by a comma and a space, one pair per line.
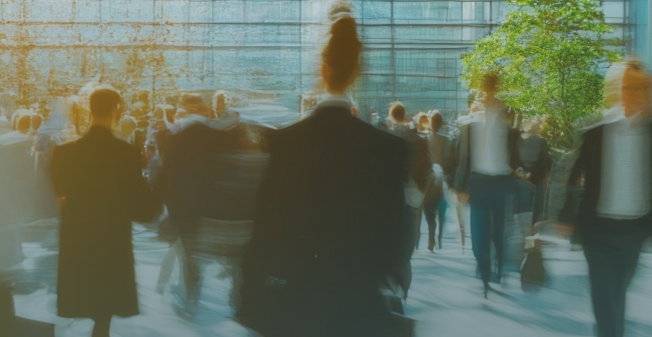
143, 204
515, 157
569, 210
461, 180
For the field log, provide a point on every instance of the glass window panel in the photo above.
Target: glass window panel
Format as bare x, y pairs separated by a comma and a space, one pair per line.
376, 12
49, 11
228, 11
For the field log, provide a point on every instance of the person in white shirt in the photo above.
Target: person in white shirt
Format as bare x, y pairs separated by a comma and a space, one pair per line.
487, 157
615, 213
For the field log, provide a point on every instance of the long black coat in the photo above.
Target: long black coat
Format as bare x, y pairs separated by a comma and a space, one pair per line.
99, 181
328, 228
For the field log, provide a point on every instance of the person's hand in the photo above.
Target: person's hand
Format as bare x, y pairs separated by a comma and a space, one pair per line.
462, 197
523, 175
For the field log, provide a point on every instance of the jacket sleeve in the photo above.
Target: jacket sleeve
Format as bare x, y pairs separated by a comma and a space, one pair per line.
574, 190
515, 157
462, 172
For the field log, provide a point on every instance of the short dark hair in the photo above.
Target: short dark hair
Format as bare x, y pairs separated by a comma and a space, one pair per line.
103, 102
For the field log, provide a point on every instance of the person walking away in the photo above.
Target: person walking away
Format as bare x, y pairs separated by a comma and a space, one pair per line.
211, 172
328, 227
99, 183
435, 204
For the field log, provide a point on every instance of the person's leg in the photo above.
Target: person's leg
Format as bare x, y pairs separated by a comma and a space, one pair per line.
604, 257
498, 233
460, 222
102, 326
415, 221
441, 211
191, 267
167, 266
480, 220
632, 245
430, 204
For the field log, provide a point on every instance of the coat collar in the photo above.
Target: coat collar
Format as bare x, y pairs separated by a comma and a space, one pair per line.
334, 101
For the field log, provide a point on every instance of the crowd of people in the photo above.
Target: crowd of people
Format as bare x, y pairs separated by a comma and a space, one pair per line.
317, 222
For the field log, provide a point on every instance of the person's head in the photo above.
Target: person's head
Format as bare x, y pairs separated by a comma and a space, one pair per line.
636, 90
422, 121
106, 107
37, 120
195, 105
397, 112
491, 83
341, 56
24, 124
436, 121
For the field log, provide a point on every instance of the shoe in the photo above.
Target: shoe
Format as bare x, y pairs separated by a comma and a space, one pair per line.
486, 290
431, 245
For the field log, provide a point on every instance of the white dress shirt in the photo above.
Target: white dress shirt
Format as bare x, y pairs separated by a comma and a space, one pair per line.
625, 182
489, 143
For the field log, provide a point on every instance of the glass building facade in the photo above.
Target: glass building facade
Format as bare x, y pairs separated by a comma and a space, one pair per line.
261, 50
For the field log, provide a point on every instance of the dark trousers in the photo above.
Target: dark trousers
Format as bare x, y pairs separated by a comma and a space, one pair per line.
487, 199
186, 229
431, 202
612, 248
441, 212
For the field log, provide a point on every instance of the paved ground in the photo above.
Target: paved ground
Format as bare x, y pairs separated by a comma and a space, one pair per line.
445, 298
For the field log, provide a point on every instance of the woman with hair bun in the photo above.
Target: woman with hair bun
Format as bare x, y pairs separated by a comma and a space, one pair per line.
328, 227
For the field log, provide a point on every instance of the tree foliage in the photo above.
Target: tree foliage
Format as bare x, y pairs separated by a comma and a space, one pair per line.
548, 54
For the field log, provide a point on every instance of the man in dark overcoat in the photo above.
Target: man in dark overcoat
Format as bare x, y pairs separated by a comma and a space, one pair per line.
99, 183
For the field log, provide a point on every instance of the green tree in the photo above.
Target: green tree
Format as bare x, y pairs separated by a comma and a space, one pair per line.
548, 55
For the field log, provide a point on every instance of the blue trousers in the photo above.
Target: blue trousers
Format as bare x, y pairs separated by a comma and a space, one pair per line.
487, 197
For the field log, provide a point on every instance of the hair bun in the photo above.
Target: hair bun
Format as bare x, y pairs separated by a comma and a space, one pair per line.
339, 9
342, 53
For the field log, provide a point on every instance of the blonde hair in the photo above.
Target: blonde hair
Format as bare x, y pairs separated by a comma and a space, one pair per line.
397, 112
613, 81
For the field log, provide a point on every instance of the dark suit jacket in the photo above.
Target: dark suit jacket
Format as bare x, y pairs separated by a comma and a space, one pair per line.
102, 190
328, 228
463, 170
588, 165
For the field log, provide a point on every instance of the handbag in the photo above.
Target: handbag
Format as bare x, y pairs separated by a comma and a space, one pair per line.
532, 270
